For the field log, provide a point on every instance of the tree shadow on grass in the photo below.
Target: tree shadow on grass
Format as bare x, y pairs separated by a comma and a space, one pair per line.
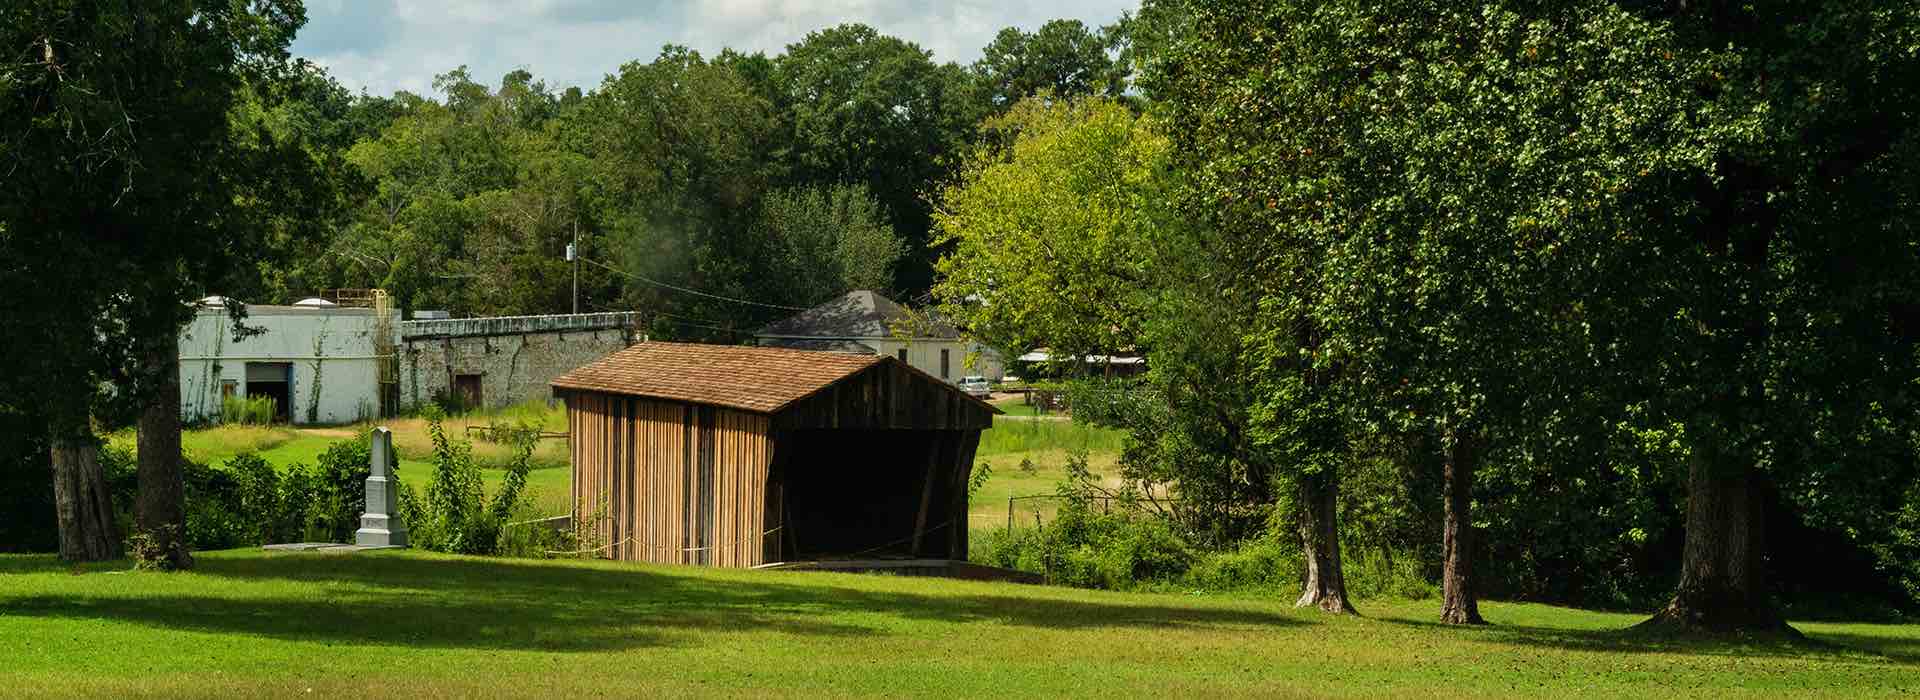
507, 604
1635, 641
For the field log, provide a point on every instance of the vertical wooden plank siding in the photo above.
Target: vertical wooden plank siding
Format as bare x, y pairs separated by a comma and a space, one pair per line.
682, 484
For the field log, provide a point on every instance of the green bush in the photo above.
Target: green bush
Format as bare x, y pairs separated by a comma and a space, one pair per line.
248, 410
1267, 564
456, 515
1115, 547
216, 517
338, 486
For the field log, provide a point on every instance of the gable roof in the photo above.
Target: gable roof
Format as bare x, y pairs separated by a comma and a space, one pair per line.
820, 344
763, 380
857, 314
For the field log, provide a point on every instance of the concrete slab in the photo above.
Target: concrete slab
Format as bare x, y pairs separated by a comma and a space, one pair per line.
327, 547
300, 546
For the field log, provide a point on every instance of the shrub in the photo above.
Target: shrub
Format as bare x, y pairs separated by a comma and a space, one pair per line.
338, 486
1269, 564
216, 518
1372, 574
456, 516
1116, 548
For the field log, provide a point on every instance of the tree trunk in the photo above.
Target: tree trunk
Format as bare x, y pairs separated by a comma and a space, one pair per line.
1721, 585
1459, 606
1326, 586
160, 512
80, 499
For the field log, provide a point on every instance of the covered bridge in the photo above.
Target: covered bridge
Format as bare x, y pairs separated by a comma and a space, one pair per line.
742, 456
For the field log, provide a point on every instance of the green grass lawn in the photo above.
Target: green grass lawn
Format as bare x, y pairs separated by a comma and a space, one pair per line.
409, 624
1018, 408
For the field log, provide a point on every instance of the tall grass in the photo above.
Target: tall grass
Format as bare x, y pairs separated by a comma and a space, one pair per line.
1008, 436
216, 443
248, 410
411, 436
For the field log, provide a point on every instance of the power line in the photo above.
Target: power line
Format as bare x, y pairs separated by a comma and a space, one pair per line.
701, 325
658, 283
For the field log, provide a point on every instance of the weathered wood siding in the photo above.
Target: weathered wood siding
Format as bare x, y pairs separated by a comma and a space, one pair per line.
679, 483
889, 395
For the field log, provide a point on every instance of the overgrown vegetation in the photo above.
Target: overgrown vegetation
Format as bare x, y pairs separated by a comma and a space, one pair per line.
456, 515
1125, 540
248, 410
247, 502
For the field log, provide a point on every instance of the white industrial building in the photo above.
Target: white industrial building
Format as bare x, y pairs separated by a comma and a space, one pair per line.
320, 362
328, 363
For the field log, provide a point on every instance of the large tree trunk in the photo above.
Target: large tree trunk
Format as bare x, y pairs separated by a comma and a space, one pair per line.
1721, 587
160, 512
1320, 535
80, 498
1459, 606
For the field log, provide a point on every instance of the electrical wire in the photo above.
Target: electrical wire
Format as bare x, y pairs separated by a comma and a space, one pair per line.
664, 285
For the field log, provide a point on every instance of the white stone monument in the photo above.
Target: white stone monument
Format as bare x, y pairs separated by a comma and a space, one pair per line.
380, 526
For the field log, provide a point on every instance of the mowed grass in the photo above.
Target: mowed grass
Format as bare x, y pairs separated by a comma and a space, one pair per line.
410, 624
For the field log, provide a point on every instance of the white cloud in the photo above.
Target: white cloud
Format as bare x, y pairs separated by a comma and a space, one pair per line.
387, 45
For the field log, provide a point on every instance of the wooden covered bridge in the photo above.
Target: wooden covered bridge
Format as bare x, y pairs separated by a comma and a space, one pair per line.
743, 456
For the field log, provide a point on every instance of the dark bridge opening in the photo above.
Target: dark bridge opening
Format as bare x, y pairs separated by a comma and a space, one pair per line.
871, 494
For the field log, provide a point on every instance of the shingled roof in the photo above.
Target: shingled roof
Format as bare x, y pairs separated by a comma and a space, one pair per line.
858, 314
763, 380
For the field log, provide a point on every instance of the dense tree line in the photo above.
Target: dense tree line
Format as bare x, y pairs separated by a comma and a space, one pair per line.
1628, 266
783, 180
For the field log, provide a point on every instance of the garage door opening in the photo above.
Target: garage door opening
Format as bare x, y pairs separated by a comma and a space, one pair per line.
275, 380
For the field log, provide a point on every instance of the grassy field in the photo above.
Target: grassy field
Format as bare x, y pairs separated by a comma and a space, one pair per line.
548, 485
410, 624
1046, 445
1018, 408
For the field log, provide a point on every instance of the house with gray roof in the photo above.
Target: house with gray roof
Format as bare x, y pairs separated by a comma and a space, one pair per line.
865, 323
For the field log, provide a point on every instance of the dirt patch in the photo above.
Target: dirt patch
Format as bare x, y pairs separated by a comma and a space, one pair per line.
329, 432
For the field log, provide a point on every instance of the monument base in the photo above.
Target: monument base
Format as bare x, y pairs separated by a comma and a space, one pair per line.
379, 531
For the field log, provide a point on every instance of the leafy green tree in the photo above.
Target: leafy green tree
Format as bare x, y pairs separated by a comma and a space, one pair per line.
1052, 242
862, 107
1064, 58
126, 195
1072, 238
832, 240
680, 146
1516, 222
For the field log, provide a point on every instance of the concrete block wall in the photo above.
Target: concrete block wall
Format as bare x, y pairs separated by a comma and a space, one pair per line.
516, 357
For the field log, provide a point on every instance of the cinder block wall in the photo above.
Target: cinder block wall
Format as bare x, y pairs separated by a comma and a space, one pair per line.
515, 357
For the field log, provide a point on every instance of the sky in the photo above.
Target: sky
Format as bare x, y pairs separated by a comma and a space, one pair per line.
386, 45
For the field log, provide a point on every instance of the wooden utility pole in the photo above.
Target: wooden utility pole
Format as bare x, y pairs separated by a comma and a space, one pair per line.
573, 256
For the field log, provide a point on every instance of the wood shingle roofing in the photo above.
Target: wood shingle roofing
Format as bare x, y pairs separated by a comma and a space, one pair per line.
762, 380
